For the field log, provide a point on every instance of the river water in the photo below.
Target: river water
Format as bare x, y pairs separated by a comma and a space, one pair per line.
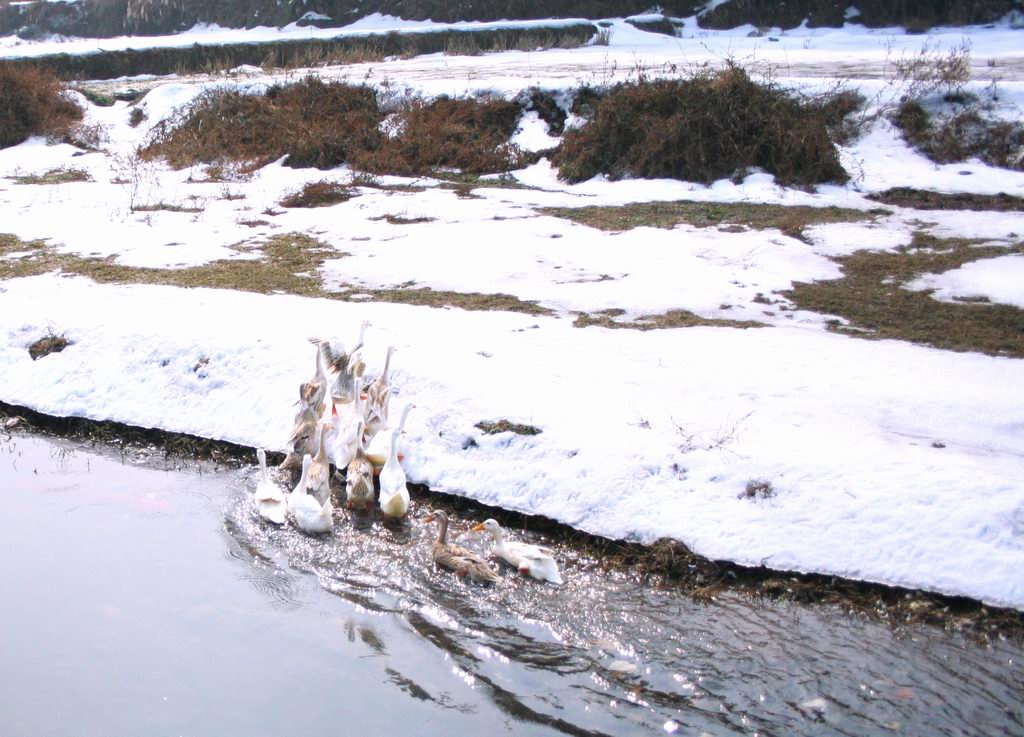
145, 597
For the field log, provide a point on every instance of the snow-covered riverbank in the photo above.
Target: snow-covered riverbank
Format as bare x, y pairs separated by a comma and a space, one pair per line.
891, 462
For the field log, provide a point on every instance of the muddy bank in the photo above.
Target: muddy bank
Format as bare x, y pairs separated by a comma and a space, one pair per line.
666, 563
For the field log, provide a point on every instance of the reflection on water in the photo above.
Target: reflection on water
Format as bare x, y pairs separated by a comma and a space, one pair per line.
167, 582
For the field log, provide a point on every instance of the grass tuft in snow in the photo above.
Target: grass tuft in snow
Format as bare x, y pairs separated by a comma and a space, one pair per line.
758, 489
872, 297
791, 220
62, 175
493, 427
402, 220
49, 343
318, 194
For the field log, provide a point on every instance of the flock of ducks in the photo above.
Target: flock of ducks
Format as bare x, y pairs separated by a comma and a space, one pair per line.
343, 422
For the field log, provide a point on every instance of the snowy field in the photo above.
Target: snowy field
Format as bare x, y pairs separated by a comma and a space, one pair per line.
892, 462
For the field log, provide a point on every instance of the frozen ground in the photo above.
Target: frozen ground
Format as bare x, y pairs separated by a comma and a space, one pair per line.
892, 462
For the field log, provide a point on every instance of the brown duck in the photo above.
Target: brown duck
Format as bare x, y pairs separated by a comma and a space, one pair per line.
453, 557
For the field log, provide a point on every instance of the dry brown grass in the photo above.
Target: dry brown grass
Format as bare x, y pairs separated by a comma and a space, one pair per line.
714, 125
288, 263
313, 123
924, 199
62, 175
790, 220
870, 295
493, 427
467, 134
33, 102
402, 220
968, 133
49, 343
613, 318
318, 194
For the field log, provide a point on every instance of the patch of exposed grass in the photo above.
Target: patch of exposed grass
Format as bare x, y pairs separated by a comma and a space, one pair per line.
49, 343
871, 296
427, 297
493, 427
612, 318
318, 194
96, 97
62, 175
166, 207
402, 220
924, 199
791, 220
289, 263
714, 125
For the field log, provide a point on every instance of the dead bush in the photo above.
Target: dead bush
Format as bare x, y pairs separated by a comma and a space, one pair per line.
715, 124
49, 343
468, 134
758, 489
961, 135
33, 102
313, 123
317, 194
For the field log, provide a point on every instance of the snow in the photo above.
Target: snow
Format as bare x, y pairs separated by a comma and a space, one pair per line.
892, 462
998, 280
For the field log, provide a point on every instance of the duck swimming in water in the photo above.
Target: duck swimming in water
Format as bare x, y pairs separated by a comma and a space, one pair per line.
394, 491
309, 514
533, 560
268, 497
455, 558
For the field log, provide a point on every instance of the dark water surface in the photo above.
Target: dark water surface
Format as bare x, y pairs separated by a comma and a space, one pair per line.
144, 600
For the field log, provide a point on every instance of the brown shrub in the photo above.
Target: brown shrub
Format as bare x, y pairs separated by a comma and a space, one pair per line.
33, 102
712, 125
317, 194
313, 123
965, 134
468, 134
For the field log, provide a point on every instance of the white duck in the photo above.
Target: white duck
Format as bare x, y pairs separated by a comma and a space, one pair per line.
349, 426
394, 493
268, 497
359, 478
319, 481
309, 514
534, 560
379, 447
378, 396
312, 393
300, 488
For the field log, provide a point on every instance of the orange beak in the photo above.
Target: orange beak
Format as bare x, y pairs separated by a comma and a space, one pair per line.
478, 528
